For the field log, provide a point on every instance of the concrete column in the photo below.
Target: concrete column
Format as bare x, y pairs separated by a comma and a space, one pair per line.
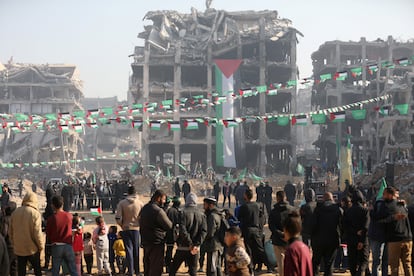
177, 89
364, 82
339, 87
262, 100
209, 137
145, 128
293, 76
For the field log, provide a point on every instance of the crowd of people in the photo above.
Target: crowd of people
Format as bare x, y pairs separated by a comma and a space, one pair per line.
308, 237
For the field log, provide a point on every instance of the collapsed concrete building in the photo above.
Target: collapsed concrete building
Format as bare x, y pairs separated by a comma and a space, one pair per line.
177, 61
110, 144
38, 89
377, 138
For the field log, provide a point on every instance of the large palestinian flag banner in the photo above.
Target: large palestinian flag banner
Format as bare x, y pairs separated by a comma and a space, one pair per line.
230, 152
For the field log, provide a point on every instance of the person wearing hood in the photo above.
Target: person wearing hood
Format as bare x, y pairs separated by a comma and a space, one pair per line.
326, 233
306, 213
356, 223
5, 230
192, 232
127, 216
26, 234
277, 217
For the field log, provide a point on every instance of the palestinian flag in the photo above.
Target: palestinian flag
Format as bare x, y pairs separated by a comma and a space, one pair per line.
220, 100
155, 125
64, 128
340, 76
230, 123
230, 151
325, 77
318, 119
372, 69
77, 128
92, 125
356, 72
174, 126
337, 117
93, 113
300, 120
16, 129
190, 125
136, 123
402, 62
272, 92
384, 110
96, 211
246, 92
359, 114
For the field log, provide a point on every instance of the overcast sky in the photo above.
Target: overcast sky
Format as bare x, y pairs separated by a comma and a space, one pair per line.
98, 35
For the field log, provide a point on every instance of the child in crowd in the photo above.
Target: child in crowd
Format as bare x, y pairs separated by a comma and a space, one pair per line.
120, 253
111, 238
88, 251
101, 243
77, 242
237, 259
298, 261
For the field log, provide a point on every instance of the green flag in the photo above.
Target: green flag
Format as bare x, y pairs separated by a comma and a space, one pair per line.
325, 77
283, 121
382, 188
402, 108
359, 114
318, 119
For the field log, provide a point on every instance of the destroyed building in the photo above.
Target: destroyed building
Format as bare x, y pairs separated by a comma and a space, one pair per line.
30, 89
110, 144
177, 61
373, 68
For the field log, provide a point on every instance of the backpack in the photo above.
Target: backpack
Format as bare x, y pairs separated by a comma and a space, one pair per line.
224, 225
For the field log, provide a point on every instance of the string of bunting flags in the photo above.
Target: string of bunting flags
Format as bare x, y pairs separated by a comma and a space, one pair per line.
60, 163
77, 120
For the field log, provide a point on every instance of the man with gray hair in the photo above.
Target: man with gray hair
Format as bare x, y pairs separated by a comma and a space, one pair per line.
192, 232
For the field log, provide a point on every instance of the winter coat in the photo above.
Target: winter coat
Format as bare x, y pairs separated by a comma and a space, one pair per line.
355, 223
327, 225
193, 228
4, 258
306, 212
212, 242
119, 248
298, 261
396, 230
174, 214
154, 224
277, 216
127, 213
249, 215
237, 257
26, 227
376, 230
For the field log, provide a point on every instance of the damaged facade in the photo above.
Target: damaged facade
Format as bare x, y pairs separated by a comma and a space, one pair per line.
110, 143
378, 137
177, 61
38, 89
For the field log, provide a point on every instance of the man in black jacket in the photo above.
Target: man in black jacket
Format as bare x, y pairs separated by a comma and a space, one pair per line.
212, 244
186, 188
192, 231
251, 219
154, 225
355, 223
174, 214
306, 213
398, 232
376, 234
326, 233
277, 216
